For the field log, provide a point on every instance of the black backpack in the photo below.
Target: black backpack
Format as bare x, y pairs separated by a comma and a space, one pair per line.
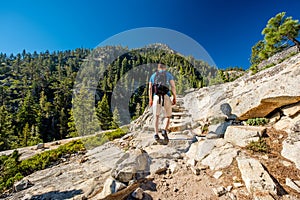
160, 86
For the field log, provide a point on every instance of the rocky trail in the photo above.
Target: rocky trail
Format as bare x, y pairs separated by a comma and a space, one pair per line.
208, 155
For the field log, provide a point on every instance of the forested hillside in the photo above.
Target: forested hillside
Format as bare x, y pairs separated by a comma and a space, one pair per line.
36, 89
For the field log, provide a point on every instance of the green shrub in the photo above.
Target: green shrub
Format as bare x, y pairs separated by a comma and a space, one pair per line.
260, 146
268, 66
257, 121
100, 139
115, 134
253, 69
94, 141
9, 170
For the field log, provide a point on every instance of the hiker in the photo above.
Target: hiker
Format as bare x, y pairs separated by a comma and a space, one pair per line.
160, 98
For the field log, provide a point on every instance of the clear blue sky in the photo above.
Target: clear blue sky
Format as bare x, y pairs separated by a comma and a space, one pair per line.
227, 29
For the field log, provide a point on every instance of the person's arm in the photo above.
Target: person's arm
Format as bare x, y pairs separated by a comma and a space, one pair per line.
173, 89
150, 94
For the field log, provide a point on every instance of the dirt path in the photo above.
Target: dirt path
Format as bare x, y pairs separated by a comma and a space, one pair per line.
183, 184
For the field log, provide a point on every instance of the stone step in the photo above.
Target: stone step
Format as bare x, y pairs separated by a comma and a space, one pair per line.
181, 114
181, 109
179, 101
179, 126
180, 120
178, 106
172, 136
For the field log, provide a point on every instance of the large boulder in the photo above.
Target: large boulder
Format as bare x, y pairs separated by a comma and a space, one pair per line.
22, 185
110, 186
285, 123
133, 165
162, 157
242, 135
267, 105
291, 110
249, 96
200, 149
220, 157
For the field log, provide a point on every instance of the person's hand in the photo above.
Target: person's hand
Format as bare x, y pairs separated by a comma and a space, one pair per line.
150, 102
174, 101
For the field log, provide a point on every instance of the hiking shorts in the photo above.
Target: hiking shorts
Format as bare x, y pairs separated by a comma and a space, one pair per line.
157, 107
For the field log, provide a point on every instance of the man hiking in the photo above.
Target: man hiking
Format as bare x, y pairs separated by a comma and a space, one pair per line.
160, 98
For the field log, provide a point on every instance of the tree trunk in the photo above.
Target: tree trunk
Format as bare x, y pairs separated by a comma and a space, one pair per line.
297, 43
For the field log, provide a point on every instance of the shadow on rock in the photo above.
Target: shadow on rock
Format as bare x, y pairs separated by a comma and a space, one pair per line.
57, 195
149, 185
218, 126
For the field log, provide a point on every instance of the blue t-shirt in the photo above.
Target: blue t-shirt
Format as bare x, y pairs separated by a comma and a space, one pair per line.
169, 78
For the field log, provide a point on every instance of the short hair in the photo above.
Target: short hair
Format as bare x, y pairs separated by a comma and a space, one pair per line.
160, 65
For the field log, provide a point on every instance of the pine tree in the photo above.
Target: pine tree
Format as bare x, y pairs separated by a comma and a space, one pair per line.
103, 113
72, 132
27, 113
7, 139
124, 68
115, 119
279, 31
43, 116
84, 113
257, 54
25, 135
145, 99
63, 121
34, 136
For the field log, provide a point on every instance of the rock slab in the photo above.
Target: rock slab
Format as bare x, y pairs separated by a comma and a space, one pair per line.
242, 135
256, 178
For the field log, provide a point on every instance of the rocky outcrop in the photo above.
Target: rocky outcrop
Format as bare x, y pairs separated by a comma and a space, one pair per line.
267, 105
249, 96
275, 59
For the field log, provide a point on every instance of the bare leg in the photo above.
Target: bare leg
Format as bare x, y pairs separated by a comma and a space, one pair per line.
166, 123
156, 124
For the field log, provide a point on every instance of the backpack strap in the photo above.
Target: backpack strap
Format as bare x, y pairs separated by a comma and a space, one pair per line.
160, 96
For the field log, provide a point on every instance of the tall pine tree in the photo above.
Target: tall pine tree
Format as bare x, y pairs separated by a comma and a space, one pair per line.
115, 119
103, 113
7, 139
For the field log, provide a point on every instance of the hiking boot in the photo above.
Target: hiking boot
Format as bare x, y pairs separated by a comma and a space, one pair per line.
165, 135
156, 137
